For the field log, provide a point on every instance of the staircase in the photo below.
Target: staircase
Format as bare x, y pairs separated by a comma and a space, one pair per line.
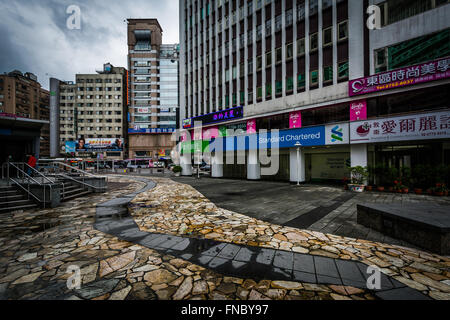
11, 199
72, 190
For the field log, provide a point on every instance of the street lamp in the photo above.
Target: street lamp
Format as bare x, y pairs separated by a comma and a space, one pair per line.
298, 145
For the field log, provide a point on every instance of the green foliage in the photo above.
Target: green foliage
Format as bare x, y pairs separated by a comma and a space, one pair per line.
359, 174
176, 169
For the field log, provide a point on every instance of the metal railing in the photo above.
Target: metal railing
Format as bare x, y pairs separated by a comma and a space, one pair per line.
23, 180
69, 172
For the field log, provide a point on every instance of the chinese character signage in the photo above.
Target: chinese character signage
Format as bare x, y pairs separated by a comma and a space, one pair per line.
295, 120
414, 127
251, 126
404, 77
358, 110
221, 116
151, 130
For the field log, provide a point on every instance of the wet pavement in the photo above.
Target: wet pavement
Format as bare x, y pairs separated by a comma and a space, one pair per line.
157, 239
319, 208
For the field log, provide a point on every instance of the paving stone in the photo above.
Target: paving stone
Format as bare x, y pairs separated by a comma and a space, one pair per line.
325, 267
401, 294
304, 263
229, 251
245, 255
265, 256
283, 259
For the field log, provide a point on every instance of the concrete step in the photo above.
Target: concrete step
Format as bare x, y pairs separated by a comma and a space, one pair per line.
11, 197
15, 203
15, 208
75, 194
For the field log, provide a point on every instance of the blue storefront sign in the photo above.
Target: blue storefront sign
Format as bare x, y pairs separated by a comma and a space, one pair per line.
307, 137
152, 130
215, 117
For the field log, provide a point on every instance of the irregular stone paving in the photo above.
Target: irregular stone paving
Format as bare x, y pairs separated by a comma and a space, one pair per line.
37, 248
178, 209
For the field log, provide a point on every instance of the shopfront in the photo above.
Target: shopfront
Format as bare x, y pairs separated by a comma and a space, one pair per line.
406, 143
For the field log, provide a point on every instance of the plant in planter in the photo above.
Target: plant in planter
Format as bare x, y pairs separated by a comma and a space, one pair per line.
177, 170
398, 186
359, 175
440, 189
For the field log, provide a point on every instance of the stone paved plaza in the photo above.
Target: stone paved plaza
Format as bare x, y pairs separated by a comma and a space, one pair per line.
177, 244
319, 208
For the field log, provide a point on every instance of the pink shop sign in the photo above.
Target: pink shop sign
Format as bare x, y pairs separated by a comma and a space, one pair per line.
210, 133
295, 120
358, 110
251, 126
424, 126
403, 77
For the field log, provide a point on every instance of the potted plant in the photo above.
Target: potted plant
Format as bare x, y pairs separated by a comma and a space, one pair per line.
392, 175
380, 188
177, 170
359, 175
440, 189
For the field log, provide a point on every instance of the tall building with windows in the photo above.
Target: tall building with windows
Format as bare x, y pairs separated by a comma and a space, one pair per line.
153, 82
93, 109
313, 69
24, 116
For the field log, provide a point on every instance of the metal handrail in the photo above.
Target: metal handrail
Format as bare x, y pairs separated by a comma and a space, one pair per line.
73, 168
83, 174
28, 178
77, 181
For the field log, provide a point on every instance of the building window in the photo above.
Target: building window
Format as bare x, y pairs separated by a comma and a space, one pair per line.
328, 74
343, 30
268, 59
268, 90
259, 63
301, 47
380, 60
343, 70
279, 88
301, 11
250, 66
289, 84
259, 93
268, 28
313, 7
288, 18
279, 55
278, 23
314, 77
289, 51
327, 36
314, 41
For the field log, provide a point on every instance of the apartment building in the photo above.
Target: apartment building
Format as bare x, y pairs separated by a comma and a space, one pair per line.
153, 83
92, 114
24, 113
339, 93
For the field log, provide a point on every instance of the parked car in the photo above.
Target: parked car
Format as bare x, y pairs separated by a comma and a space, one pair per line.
158, 164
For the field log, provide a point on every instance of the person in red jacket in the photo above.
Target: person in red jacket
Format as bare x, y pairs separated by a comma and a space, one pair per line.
32, 163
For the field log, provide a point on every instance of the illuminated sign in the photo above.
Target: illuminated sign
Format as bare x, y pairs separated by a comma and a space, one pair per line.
210, 118
404, 77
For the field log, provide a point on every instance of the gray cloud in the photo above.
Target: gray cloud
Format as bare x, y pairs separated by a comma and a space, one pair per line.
35, 38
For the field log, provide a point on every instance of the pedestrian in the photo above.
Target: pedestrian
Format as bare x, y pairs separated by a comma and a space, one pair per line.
32, 163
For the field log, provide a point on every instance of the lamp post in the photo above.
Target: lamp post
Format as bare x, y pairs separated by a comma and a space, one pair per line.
298, 145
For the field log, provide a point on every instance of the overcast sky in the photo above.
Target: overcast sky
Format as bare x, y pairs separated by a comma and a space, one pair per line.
34, 36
